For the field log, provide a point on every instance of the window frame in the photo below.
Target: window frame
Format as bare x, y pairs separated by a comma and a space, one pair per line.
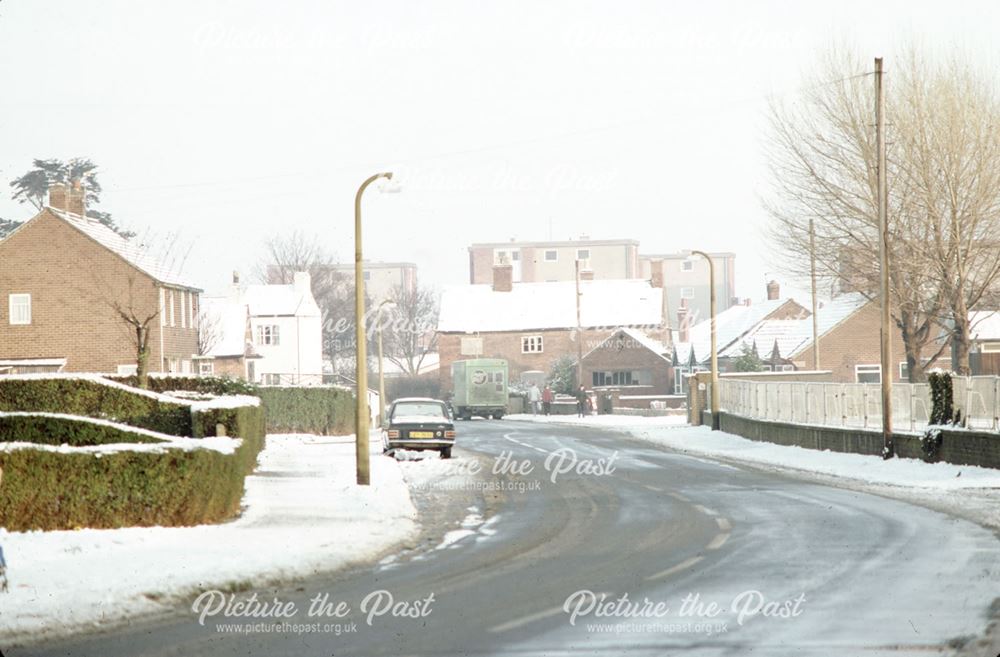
865, 368
532, 344
555, 255
687, 265
580, 256
687, 287
16, 299
268, 335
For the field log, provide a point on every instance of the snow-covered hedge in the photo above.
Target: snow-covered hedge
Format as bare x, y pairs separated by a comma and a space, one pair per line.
81, 452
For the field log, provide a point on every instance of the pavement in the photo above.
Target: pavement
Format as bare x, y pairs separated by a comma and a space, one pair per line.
552, 540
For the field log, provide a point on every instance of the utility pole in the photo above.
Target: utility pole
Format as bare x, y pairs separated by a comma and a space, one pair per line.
714, 399
888, 449
579, 330
812, 274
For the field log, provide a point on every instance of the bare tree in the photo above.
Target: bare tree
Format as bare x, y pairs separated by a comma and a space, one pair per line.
942, 208
409, 330
138, 318
209, 331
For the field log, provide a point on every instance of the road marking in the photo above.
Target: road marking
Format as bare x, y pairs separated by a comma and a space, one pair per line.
724, 524
706, 510
718, 541
678, 496
654, 489
675, 569
518, 442
525, 620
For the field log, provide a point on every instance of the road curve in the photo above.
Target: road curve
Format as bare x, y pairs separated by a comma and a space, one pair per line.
851, 573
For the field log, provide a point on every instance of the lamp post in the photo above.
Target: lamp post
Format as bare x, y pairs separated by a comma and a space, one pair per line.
361, 416
381, 374
715, 355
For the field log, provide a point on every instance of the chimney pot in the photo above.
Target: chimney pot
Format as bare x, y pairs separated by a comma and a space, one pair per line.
656, 273
503, 278
57, 196
773, 290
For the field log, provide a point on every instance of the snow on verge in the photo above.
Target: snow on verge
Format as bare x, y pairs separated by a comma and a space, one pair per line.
303, 515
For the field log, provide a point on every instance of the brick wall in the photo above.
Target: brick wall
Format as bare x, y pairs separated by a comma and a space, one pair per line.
507, 345
628, 354
854, 342
73, 282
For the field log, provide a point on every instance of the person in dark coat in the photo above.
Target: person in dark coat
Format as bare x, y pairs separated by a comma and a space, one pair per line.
581, 401
547, 398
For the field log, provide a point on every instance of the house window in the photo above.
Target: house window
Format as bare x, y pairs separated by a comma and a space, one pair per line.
583, 254
619, 378
687, 265
868, 373
680, 372
687, 293
170, 300
184, 321
904, 371
271, 379
531, 344
128, 370
551, 255
268, 334
206, 368
366, 275
990, 348
191, 299
163, 307
19, 306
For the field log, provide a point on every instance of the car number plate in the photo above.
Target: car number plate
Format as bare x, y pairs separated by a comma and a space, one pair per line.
421, 434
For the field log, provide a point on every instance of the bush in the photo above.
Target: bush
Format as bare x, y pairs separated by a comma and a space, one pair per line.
942, 399
90, 398
246, 422
321, 410
56, 490
211, 385
46, 430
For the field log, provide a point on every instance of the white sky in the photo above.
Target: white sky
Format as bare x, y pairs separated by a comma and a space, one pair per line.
230, 121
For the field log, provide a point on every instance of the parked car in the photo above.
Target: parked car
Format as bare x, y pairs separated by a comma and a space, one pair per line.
418, 423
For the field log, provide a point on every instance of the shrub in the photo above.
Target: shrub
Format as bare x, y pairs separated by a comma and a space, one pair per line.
246, 422
212, 385
48, 430
942, 399
322, 410
91, 398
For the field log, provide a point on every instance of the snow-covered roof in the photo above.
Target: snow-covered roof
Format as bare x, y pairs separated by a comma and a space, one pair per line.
985, 324
132, 251
731, 324
279, 301
652, 344
226, 318
534, 306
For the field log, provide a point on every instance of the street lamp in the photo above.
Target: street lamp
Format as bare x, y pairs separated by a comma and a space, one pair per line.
715, 355
381, 375
361, 417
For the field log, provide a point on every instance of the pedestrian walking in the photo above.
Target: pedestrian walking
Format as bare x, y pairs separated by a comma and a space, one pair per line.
534, 396
547, 397
581, 401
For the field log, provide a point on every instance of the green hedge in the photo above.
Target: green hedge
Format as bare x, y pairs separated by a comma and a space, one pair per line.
212, 385
322, 410
246, 422
45, 430
92, 399
54, 490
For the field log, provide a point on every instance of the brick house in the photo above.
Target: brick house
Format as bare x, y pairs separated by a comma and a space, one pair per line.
531, 325
65, 278
632, 364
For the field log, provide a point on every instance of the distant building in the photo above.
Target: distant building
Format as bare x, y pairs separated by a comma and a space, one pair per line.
65, 279
531, 325
685, 279
382, 279
285, 332
227, 339
552, 261
633, 364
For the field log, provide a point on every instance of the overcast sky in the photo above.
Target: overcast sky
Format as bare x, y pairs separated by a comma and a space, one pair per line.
229, 122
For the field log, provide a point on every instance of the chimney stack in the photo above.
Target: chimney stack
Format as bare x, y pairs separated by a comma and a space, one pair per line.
75, 199
503, 278
57, 196
656, 273
773, 290
683, 321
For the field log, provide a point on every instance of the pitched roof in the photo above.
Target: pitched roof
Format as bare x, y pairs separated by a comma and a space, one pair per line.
535, 306
731, 324
279, 300
228, 319
131, 250
663, 351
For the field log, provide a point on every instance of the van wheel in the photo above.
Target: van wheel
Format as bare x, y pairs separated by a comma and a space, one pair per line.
446, 452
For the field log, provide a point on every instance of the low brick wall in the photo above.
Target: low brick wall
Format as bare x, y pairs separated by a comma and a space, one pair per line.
957, 447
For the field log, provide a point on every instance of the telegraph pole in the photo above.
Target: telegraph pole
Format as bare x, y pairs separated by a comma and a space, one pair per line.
579, 331
888, 450
812, 274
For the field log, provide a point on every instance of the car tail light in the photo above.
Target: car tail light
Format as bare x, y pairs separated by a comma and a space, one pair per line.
449, 434
393, 433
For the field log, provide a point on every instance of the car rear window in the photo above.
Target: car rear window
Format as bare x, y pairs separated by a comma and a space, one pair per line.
407, 409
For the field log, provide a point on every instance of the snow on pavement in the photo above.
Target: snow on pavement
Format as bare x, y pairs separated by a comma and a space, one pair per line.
967, 490
303, 514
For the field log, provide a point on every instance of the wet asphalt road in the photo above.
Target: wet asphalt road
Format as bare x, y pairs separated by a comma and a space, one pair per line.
828, 571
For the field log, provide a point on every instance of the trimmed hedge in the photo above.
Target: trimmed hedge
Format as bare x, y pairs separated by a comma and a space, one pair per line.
246, 422
212, 385
44, 430
321, 410
53, 490
91, 399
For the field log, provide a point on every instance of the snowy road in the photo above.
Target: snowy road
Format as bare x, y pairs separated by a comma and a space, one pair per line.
791, 567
